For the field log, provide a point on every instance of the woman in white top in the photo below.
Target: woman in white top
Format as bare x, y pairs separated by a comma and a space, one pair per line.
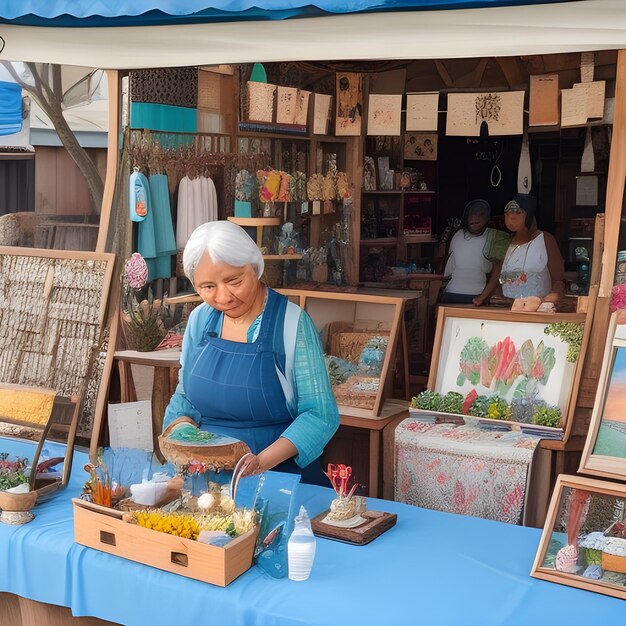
472, 257
533, 265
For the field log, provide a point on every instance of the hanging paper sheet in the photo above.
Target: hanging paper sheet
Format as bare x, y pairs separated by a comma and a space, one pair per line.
582, 102
383, 116
349, 104
586, 67
302, 107
587, 191
422, 111
286, 105
544, 100
321, 113
503, 112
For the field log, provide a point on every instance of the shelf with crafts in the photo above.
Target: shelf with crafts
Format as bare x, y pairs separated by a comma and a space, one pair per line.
259, 223
399, 204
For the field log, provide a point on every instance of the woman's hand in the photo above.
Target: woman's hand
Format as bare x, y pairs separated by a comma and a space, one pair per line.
478, 300
250, 465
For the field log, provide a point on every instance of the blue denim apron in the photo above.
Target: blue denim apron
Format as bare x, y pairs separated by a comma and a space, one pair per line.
236, 388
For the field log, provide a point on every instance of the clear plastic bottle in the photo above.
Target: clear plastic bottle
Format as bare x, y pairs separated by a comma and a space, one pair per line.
301, 547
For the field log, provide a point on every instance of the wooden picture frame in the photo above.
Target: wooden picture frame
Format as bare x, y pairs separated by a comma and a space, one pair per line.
350, 320
509, 325
605, 448
40, 273
599, 508
59, 421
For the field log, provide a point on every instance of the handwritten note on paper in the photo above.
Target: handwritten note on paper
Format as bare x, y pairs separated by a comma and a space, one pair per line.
587, 191
586, 67
130, 425
422, 111
321, 113
503, 112
544, 100
573, 107
383, 114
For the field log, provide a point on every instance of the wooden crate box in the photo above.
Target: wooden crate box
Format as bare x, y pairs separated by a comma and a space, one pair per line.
103, 529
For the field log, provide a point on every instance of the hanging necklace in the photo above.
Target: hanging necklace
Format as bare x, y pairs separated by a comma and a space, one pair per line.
515, 277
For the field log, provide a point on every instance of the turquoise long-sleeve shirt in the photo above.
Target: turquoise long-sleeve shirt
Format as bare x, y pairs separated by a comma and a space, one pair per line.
306, 385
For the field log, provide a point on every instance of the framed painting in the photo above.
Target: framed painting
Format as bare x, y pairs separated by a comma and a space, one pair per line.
583, 543
359, 335
519, 368
605, 448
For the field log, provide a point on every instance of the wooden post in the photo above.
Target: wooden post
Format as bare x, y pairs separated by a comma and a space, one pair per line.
112, 158
615, 180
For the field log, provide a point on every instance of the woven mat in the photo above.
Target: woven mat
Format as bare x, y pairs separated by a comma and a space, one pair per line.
462, 469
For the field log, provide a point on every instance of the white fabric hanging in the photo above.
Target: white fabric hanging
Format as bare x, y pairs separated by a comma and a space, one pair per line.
197, 204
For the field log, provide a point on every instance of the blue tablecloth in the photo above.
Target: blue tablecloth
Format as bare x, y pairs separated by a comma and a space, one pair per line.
432, 568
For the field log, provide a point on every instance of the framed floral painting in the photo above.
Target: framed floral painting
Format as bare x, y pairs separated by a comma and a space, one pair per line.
605, 448
520, 368
584, 538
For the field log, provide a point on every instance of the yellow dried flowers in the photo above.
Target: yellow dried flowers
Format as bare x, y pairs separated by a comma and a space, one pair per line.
178, 524
189, 525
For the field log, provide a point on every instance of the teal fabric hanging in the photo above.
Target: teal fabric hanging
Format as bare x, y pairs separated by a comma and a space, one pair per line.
139, 197
163, 117
156, 241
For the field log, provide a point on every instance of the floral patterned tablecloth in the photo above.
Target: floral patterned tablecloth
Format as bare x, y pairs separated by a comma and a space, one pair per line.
463, 469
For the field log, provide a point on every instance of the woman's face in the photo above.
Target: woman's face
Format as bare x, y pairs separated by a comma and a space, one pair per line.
515, 221
226, 288
476, 222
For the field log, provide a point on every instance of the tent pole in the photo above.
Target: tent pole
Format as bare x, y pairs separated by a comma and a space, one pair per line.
112, 158
615, 180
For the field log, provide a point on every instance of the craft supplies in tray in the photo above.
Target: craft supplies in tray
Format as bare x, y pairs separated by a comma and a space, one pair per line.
186, 524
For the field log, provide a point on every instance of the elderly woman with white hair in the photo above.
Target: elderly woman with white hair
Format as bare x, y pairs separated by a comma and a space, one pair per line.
252, 366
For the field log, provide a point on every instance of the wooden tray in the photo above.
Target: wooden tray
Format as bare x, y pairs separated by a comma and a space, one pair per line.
102, 528
377, 522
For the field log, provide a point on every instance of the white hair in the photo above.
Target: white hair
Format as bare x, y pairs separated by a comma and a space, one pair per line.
224, 242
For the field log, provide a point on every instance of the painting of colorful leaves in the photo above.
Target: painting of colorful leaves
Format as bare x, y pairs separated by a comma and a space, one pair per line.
521, 372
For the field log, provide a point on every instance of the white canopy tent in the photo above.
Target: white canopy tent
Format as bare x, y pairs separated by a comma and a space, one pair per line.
503, 31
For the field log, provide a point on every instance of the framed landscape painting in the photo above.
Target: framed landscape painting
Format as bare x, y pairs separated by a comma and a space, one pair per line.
519, 368
605, 448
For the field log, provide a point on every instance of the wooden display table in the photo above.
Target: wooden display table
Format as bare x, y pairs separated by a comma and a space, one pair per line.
393, 412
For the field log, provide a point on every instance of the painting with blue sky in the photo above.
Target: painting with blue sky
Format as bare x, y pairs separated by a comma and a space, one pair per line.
611, 440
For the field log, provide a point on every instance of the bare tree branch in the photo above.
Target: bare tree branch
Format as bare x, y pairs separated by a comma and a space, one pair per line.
49, 98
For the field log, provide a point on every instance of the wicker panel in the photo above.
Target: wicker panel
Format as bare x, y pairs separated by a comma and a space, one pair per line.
50, 324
